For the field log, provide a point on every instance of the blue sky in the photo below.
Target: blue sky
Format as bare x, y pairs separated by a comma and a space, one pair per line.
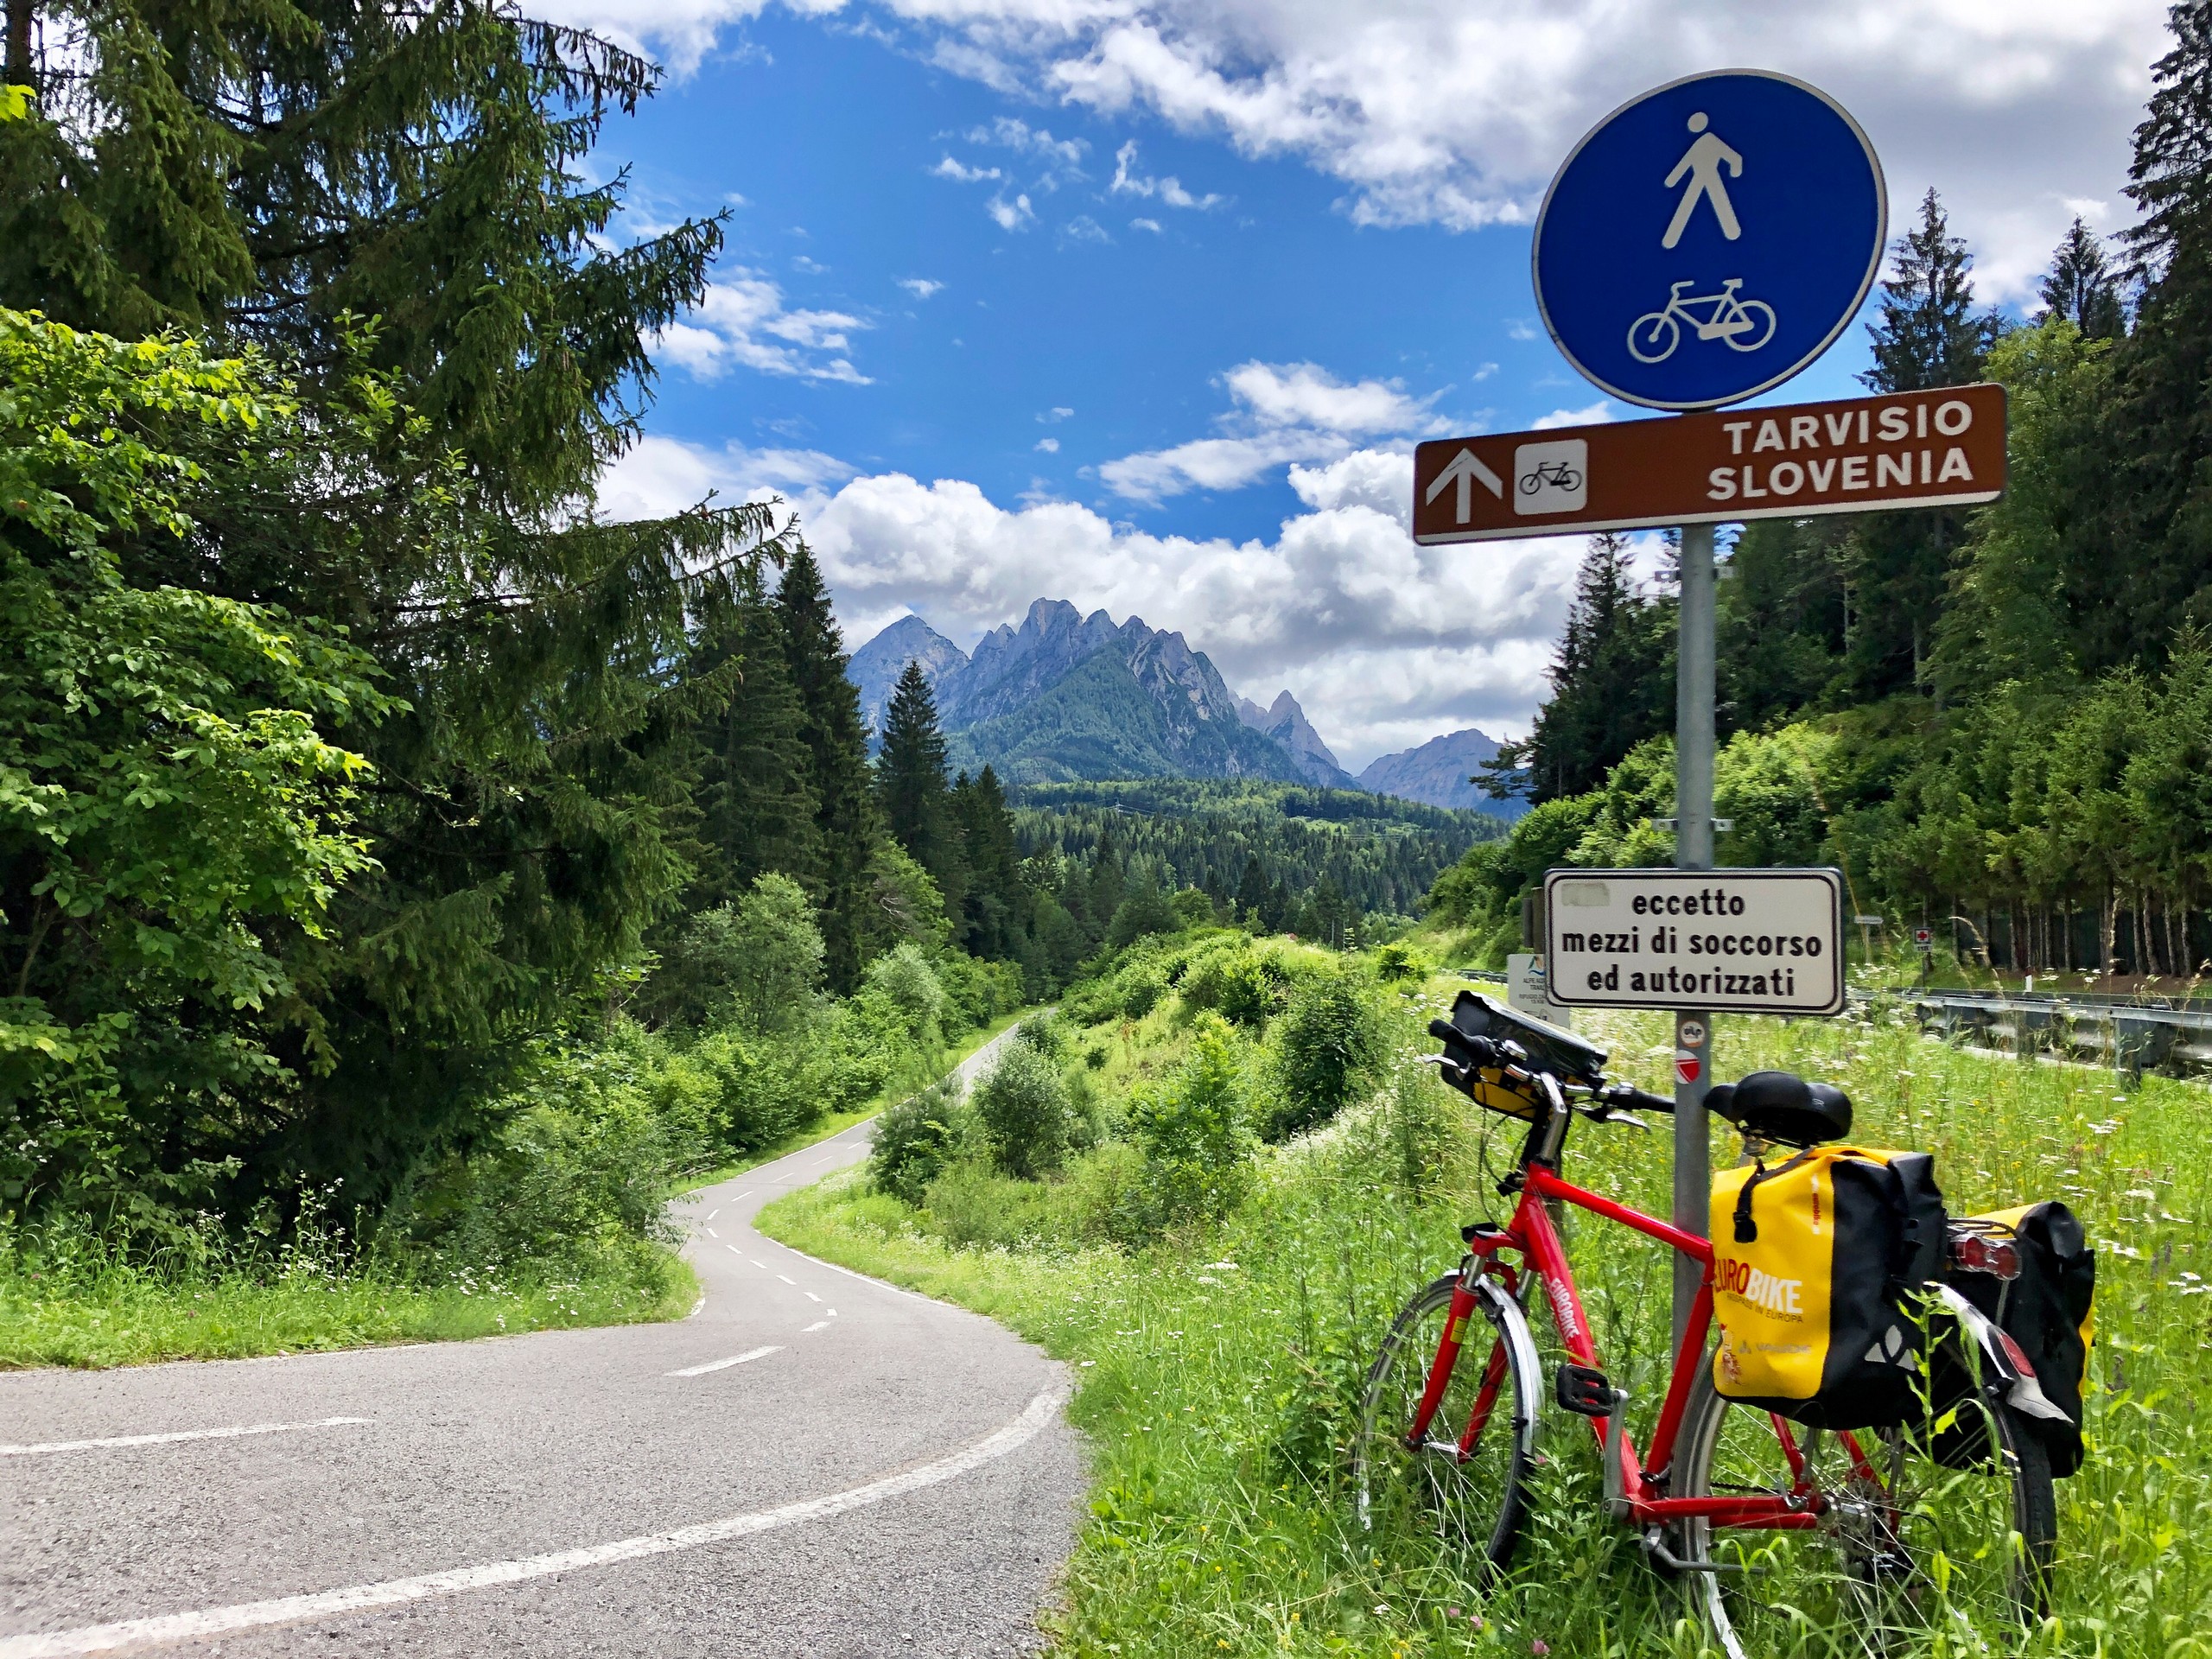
1144, 306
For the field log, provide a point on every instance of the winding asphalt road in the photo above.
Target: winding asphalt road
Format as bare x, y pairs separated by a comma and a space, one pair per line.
812, 1463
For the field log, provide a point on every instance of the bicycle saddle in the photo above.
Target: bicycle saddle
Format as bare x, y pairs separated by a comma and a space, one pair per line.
1780, 1106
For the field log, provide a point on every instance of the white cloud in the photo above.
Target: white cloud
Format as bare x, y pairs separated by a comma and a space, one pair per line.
921, 286
1281, 412
742, 321
1062, 157
1385, 643
1433, 112
812, 267
1050, 446
949, 169
1010, 215
1591, 415
1057, 413
1084, 228
1129, 183
656, 476
1519, 329
1151, 225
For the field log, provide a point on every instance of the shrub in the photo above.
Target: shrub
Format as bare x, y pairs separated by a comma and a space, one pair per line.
1045, 1033
1393, 962
970, 1204
1193, 1128
1327, 1048
1022, 1104
758, 960
904, 979
917, 1139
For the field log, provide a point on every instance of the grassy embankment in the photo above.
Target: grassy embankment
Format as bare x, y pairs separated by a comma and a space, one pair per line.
1218, 1364
94, 1307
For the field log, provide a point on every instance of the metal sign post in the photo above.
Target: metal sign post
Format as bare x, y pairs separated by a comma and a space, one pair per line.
1694, 745
1702, 244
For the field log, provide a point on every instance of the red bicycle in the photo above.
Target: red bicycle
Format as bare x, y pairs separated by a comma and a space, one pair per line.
1793, 1539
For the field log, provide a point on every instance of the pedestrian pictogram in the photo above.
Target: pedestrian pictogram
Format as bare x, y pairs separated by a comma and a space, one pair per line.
1702, 162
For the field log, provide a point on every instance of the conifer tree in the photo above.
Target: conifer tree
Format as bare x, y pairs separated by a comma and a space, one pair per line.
2160, 430
2081, 287
268, 172
1251, 890
997, 903
1613, 681
1929, 334
916, 804
756, 795
1898, 564
836, 740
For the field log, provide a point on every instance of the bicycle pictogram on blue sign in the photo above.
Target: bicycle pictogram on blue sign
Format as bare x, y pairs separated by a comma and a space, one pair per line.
1709, 239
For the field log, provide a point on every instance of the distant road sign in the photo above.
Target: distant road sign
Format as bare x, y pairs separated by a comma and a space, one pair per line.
1944, 447
1729, 941
1709, 239
1923, 937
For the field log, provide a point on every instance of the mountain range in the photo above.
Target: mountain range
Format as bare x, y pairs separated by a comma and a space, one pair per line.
1067, 697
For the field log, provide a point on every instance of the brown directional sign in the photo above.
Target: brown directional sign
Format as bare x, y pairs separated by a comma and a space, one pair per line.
1944, 447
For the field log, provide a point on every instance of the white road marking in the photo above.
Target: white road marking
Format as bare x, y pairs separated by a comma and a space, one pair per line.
712, 1213
285, 1610
755, 1261
696, 1306
711, 1233
170, 1440
733, 1251
746, 1194
722, 1364
809, 1296
793, 1283
819, 1324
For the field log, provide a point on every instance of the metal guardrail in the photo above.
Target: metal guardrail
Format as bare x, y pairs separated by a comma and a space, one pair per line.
2128, 1035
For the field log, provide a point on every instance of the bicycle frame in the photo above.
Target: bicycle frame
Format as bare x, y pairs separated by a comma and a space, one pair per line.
1642, 1486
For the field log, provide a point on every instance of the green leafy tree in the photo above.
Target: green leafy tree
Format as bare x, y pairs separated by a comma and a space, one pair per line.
1194, 1127
175, 817
1327, 1048
1023, 1105
755, 793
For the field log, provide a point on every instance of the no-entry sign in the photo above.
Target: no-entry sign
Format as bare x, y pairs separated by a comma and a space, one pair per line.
1730, 941
1944, 447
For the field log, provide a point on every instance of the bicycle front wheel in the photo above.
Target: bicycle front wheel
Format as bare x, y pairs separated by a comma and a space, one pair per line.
1908, 1539
1464, 1484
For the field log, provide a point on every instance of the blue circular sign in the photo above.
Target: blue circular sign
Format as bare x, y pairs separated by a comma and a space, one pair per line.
1708, 239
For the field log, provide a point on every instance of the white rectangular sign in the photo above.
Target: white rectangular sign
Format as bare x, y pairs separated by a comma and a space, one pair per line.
1730, 941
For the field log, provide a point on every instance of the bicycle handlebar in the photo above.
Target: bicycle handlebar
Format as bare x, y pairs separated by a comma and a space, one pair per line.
1465, 1052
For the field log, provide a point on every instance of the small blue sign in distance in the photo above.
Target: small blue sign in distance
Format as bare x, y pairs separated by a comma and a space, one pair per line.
1710, 238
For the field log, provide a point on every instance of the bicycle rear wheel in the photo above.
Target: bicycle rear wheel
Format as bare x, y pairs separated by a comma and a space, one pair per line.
1910, 1541
1466, 1486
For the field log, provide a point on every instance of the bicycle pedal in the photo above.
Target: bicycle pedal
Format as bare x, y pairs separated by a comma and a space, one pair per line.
1584, 1390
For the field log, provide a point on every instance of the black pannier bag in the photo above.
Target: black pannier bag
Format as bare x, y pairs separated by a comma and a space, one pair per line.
2046, 1311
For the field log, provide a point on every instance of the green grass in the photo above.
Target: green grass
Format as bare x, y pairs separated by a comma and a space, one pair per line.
1217, 1397
92, 1307
118, 1312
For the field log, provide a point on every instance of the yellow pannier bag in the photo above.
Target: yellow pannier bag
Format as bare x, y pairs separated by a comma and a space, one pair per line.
1813, 1259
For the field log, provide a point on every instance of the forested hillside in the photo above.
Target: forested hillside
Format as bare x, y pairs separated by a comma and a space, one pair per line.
2002, 716
395, 857
1310, 861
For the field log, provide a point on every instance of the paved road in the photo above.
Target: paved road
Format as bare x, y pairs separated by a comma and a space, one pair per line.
878, 1474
